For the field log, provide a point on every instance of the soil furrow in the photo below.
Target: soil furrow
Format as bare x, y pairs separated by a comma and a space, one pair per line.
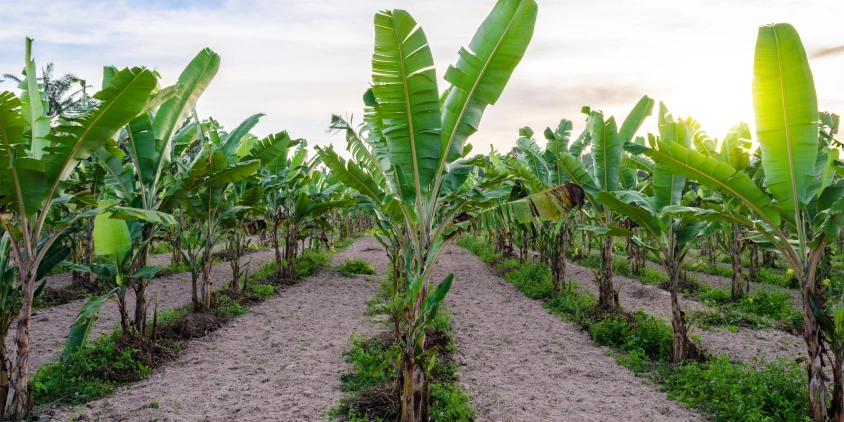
521, 363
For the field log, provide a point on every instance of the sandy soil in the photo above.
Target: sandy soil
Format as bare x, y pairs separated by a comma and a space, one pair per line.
49, 326
278, 362
520, 363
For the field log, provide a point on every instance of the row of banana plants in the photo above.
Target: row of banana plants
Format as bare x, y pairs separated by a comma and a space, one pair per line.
135, 165
676, 190
411, 165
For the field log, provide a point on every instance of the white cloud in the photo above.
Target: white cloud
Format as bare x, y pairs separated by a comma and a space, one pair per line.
300, 61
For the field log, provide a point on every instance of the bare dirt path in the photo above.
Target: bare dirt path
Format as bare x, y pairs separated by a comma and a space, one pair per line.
49, 326
520, 363
278, 362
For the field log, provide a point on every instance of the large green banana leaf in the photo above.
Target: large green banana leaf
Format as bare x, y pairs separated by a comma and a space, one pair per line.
407, 98
34, 106
351, 176
667, 185
712, 173
272, 148
193, 81
483, 71
786, 109
112, 238
126, 94
606, 151
635, 118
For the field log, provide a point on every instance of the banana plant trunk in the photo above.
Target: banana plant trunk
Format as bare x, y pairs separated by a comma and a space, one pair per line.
753, 268
140, 286
737, 282
8, 317
607, 298
276, 246
678, 317
710, 255
18, 402
557, 259
837, 409
814, 347
236, 248
413, 396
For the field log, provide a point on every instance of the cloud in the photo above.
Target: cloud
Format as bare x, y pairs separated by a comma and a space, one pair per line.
826, 52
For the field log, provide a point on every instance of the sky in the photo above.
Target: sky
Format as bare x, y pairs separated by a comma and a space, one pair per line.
301, 61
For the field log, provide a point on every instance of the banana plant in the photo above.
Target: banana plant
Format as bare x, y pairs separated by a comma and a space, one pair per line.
798, 194
215, 168
605, 175
141, 176
34, 180
416, 145
113, 239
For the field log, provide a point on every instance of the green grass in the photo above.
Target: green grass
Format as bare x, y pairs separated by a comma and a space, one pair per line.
345, 243
309, 262
228, 308
356, 266
84, 376
765, 309
75, 380
262, 290
532, 278
160, 248
735, 391
478, 247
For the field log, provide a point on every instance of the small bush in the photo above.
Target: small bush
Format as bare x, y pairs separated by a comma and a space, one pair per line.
712, 295
83, 376
356, 266
532, 278
479, 247
263, 290
160, 248
735, 391
309, 262
345, 243
644, 334
229, 308
773, 304
573, 305
449, 402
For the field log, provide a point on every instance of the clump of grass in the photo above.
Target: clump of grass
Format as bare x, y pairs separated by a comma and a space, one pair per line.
230, 308
643, 334
765, 309
532, 278
345, 243
309, 262
262, 290
733, 391
160, 248
356, 266
83, 376
479, 247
